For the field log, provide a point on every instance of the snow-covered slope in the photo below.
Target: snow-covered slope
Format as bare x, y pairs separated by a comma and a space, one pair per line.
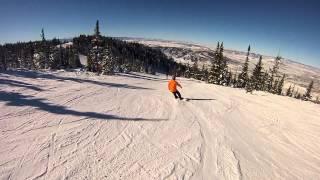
185, 52
68, 125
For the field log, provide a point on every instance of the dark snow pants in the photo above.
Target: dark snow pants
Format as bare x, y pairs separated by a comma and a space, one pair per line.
177, 95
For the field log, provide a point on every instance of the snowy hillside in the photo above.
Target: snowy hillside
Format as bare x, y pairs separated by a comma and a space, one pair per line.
184, 52
69, 125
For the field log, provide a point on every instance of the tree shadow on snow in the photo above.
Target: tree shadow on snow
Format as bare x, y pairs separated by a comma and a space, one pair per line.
17, 99
19, 84
139, 76
39, 75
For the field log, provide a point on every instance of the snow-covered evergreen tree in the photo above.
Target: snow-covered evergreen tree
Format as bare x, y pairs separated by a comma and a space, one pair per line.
235, 80
223, 67
289, 91
211, 75
280, 85
298, 96
96, 52
244, 75
54, 60
307, 96
97, 29
219, 68
195, 73
214, 71
42, 54
292, 90
40, 59
42, 35
229, 78
204, 74
187, 73
273, 74
257, 76
95, 59
275, 86
3, 62
108, 62
73, 60
250, 85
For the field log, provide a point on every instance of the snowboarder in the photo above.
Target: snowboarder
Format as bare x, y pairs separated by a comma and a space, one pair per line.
172, 86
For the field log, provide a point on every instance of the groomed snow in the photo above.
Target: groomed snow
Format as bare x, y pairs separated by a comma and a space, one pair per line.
68, 125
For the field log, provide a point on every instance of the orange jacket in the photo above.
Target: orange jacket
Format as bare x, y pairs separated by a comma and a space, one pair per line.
172, 85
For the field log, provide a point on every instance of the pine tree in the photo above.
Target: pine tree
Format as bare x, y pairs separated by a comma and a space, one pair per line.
250, 85
61, 56
221, 49
219, 68
195, 71
217, 49
73, 60
90, 63
96, 29
289, 91
108, 62
187, 73
54, 59
229, 78
280, 85
214, 71
292, 90
43, 37
265, 77
41, 58
29, 56
235, 81
204, 74
298, 96
275, 86
211, 77
307, 96
223, 67
43, 53
295, 93
256, 79
95, 60
273, 75
3, 58
244, 76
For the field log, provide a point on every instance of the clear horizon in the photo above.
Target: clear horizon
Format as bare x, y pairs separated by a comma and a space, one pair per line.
288, 26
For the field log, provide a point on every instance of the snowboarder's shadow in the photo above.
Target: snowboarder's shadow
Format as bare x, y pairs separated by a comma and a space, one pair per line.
199, 99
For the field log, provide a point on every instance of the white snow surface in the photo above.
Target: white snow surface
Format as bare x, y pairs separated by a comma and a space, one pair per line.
167, 43
83, 59
73, 125
67, 44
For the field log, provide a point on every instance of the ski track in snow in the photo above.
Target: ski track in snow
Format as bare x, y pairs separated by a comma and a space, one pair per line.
65, 125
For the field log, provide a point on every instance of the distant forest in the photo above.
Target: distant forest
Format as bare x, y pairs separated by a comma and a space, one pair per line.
107, 55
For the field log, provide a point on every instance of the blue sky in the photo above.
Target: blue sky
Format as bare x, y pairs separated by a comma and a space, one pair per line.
268, 25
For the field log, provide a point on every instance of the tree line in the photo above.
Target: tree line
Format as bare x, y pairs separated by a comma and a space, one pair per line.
268, 80
107, 55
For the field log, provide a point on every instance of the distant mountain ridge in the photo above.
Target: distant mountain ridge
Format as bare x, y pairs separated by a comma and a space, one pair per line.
298, 74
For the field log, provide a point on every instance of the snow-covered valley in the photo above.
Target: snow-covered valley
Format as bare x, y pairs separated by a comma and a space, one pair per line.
68, 125
298, 74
